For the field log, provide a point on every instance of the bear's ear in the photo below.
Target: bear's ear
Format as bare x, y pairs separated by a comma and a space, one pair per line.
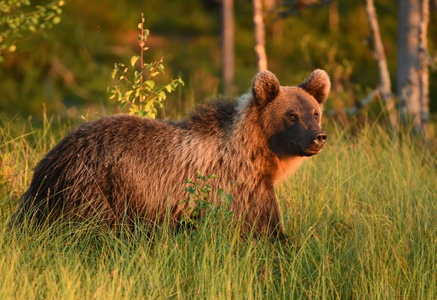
318, 85
265, 87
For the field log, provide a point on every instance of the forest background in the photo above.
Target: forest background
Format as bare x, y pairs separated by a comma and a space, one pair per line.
361, 215
68, 68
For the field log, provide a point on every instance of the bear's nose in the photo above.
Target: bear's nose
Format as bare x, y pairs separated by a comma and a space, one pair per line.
320, 138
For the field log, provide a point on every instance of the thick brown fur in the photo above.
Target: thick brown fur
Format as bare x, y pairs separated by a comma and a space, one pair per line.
124, 166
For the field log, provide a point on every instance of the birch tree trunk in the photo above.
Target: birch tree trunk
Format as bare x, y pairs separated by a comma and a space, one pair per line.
259, 31
228, 55
384, 75
408, 59
334, 19
413, 63
424, 62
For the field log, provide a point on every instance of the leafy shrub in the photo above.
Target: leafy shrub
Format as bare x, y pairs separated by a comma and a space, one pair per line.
19, 21
139, 91
200, 203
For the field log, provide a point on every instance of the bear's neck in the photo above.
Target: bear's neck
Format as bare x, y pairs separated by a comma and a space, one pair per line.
253, 142
250, 142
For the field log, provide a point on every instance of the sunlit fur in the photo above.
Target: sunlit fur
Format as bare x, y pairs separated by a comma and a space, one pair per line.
122, 167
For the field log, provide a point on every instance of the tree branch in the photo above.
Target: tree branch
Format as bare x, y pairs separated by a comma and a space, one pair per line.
364, 102
384, 75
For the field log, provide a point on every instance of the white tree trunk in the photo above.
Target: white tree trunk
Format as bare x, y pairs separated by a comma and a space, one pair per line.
384, 75
413, 63
408, 59
228, 55
259, 31
424, 62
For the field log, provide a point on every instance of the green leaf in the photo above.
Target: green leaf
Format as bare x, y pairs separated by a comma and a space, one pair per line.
162, 95
112, 94
113, 73
128, 94
150, 83
147, 106
137, 93
134, 60
191, 190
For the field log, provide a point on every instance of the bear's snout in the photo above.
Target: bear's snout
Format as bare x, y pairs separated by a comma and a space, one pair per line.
317, 142
319, 138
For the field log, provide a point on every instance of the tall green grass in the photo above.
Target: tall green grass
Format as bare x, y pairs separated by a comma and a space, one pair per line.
361, 216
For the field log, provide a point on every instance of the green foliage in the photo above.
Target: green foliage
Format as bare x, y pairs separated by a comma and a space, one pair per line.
200, 203
68, 69
19, 21
140, 92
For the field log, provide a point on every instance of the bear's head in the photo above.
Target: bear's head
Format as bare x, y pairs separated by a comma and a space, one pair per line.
291, 115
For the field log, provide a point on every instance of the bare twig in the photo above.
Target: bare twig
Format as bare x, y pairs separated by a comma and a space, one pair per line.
57, 68
364, 102
157, 63
142, 44
428, 58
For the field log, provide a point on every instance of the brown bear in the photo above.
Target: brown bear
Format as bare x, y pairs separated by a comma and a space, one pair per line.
123, 166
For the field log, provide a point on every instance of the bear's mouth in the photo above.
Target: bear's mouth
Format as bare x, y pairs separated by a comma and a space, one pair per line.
311, 152
315, 148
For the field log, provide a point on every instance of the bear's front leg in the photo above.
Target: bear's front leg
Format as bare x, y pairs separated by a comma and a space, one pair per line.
265, 218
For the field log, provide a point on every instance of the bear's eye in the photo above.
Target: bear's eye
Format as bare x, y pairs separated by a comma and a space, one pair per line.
316, 116
292, 116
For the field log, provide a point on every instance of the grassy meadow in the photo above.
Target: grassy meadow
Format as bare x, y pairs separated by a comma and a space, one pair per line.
361, 216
